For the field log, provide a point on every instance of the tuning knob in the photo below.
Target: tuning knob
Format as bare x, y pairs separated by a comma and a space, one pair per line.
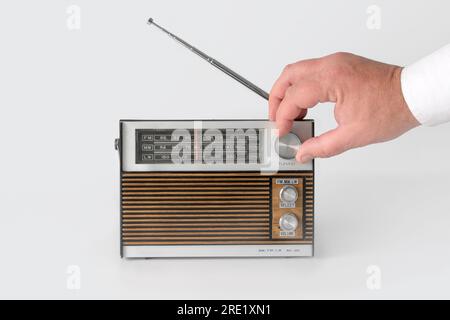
287, 146
288, 222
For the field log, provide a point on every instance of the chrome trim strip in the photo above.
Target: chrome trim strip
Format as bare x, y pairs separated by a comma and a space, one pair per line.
217, 251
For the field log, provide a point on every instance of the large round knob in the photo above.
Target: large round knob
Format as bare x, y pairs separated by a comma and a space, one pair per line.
288, 194
288, 222
287, 146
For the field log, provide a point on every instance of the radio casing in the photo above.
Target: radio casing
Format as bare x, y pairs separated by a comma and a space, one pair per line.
213, 188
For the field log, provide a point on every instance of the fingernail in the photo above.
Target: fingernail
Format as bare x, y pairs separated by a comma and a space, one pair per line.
305, 158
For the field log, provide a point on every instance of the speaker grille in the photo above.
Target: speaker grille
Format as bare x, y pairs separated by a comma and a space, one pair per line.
196, 208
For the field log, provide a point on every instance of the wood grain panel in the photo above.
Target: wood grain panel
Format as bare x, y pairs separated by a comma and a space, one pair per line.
205, 208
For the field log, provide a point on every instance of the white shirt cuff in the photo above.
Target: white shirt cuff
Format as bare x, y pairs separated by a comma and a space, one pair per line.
426, 88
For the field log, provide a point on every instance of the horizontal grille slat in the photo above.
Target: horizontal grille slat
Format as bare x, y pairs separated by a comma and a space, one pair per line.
194, 207
185, 201
196, 184
194, 224
188, 188
198, 211
206, 193
205, 216
196, 229
192, 197
190, 179
191, 233
198, 221
196, 237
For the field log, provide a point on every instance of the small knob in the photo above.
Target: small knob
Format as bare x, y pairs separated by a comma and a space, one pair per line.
287, 146
288, 222
288, 194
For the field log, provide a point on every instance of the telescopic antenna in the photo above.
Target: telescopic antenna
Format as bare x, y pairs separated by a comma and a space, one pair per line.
214, 62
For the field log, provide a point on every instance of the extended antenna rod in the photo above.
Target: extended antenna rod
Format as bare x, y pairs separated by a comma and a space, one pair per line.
215, 63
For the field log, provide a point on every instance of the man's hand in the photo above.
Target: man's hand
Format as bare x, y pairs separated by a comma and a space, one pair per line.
370, 107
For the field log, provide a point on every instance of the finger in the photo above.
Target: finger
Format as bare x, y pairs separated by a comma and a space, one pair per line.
287, 125
302, 115
290, 74
278, 90
298, 98
329, 144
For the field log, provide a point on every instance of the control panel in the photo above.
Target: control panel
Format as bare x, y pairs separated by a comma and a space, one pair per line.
287, 208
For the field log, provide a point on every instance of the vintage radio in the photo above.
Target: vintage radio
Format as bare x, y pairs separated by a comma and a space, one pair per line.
214, 189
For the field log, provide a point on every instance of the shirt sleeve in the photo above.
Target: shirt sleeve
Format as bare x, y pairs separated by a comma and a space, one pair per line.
426, 88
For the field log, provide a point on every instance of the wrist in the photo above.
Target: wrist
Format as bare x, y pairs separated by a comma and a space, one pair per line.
408, 116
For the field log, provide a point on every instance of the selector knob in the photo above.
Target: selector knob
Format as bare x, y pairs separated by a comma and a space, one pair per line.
288, 222
288, 194
287, 146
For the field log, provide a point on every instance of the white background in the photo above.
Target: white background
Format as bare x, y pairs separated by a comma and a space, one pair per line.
62, 93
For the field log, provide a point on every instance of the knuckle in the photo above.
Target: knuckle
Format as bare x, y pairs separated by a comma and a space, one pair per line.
336, 70
340, 56
326, 153
288, 68
337, 67
289, 92
326, 150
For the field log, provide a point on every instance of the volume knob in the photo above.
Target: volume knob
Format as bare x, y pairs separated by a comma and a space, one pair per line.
287, 146
288, 222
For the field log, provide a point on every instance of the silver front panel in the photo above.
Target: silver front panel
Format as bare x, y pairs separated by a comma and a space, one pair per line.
270, 161
218, 251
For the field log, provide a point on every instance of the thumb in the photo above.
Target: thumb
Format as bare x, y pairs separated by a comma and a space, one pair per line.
327, 145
